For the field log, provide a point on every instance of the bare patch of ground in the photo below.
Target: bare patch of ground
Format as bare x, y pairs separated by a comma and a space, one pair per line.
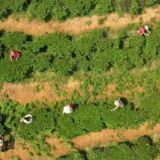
60, 147
85, 142
78, 25
106, 136
20, 151
25, 93
44, 92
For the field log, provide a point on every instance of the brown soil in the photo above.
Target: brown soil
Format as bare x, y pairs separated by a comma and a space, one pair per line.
106, 136
25, 93
20, 151
60, 147
102, 138
77, 25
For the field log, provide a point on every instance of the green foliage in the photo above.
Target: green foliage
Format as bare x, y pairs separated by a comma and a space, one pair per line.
144, 149
122, 6
135, 8
45, 10
40, 146
13, 40
104, 6
74, 155
2, 130
151, 2
150, 106
118, 152
63, 66
43, 122
8, 6
64, 54
141, 149
16, 70
42, 62
85, 119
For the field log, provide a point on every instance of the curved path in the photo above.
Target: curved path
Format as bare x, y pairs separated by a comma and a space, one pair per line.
77, 25
106, 136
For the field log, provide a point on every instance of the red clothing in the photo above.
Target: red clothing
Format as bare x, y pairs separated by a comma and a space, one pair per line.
70, 106
142, 31
14, 54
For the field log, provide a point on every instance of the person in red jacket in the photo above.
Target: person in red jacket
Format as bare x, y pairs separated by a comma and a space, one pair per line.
14, 53
143, 30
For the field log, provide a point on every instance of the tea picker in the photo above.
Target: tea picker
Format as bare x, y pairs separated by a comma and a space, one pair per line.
4, 145
144, 31
14, 53
67, 109
118, 103
27, 119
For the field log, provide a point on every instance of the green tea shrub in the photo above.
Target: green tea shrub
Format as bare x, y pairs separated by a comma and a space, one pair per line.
7, 7
45, 10
74, 155
63, 66
135, 7
43, 122
118, 152
104, 7
35, 46
42, 10
16, 70
149, 107
13, 112
99, 63
59, 44
42, 62
144, 149
122, 6
65, 54
141, 149
13, 40
85, 119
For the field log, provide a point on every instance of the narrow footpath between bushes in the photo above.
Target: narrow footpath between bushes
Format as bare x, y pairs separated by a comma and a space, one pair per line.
84, 142
105, 136
78, 25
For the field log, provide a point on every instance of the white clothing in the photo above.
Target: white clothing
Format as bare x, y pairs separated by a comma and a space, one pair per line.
1, 143
26, 121
67, 109
118, 103
146, 28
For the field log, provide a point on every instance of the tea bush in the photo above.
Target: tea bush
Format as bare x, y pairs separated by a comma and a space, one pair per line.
65, 55
142, 149
64, 9
43, 122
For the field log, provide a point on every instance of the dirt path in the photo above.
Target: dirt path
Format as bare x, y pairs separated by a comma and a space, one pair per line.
77, 25
20, 151
106, 136
85, 142
44, 92
61, 148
